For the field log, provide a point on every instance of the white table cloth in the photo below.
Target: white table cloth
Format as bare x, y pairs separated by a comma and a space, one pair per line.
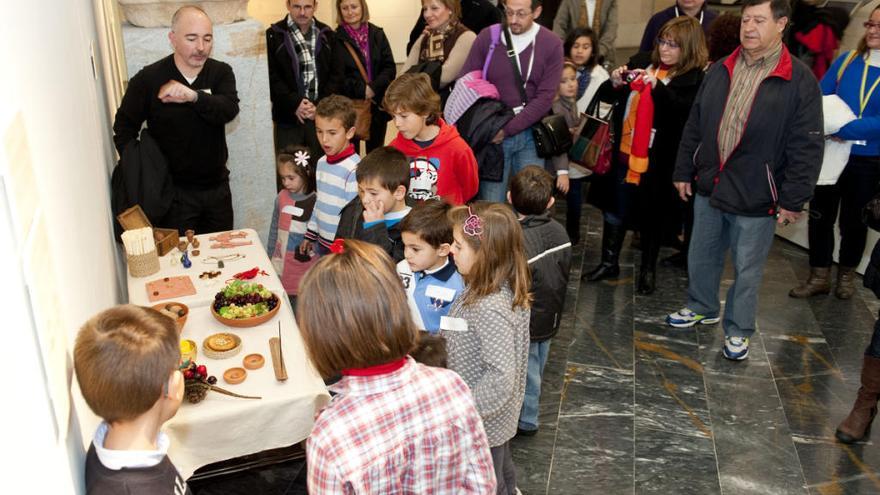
223, 427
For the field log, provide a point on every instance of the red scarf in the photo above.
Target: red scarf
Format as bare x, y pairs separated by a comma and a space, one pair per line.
637, 127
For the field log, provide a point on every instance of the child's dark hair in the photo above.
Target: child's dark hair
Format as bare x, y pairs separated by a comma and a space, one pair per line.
430, 222
412, 92
337, 107
300, 160
583, 32
530, 190
431, 350
388, 165
123, 359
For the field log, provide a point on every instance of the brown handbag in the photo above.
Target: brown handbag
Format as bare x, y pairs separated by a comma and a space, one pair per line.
363, 108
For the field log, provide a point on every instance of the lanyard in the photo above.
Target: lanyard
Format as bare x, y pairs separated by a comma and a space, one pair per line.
677, 13
863, 98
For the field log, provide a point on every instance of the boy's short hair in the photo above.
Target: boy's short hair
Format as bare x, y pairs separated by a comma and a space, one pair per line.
530, 190
430, 222
412, 92
358, 295
388, 165
431, 350
123, 358
337, 107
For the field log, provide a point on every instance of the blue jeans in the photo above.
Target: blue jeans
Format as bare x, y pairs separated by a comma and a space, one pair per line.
749, 240
519, 151
528, 416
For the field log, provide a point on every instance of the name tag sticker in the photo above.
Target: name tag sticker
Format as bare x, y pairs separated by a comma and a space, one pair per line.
441, 293
453, 324
292, 210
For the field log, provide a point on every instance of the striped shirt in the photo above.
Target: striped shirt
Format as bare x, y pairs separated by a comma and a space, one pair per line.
336, 184
747, 77
413, 430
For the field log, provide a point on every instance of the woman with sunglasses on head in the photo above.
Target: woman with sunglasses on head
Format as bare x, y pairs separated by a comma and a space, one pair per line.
652, 97
853, 77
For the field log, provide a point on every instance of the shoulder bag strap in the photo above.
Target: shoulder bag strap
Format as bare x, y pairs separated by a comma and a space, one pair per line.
357, 61
849, 58
511, 54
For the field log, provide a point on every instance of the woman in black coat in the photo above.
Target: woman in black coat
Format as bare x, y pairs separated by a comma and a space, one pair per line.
628, 194
374, 52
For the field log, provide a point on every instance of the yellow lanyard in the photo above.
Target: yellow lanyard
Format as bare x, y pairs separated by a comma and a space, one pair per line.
863, 98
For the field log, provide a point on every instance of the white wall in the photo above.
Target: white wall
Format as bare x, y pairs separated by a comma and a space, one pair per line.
49, 81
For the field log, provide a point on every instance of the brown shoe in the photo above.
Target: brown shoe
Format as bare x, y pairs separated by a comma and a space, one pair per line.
818, 283
845, 287
857, 426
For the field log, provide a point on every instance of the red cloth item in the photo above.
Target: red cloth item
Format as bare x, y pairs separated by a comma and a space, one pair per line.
379, 369
641, 140
342, 155
446, 168
822, 43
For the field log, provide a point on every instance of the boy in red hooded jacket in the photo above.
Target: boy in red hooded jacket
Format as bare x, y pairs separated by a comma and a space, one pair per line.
440, 162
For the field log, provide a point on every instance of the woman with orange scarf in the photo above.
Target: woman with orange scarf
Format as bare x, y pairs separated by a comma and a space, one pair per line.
652, 97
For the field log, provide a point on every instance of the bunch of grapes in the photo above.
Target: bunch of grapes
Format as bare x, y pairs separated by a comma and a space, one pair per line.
197, 382
247, 296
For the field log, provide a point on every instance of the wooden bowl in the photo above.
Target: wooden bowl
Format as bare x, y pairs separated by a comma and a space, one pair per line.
180, 320
247, 322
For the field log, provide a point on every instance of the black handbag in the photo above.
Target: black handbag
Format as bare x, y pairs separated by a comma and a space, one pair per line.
551, 133
432, 68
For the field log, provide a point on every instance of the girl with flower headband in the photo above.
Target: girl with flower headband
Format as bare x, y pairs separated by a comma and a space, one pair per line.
487, 329
293, 209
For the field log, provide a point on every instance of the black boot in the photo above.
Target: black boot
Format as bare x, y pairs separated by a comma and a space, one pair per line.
612, 241
648, 270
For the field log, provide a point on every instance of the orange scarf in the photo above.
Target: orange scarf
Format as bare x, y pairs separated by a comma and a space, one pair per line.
635, 139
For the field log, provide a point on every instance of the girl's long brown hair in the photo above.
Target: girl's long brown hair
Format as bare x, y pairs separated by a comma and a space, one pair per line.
500, 253
688, 33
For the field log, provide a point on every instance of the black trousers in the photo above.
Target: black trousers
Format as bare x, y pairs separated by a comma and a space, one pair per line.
203, 210
856, 186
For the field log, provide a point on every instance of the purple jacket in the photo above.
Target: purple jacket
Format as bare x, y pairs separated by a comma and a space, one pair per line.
543, 80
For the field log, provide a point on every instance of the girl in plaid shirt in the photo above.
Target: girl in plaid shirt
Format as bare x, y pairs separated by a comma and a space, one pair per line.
394, 426
487, 330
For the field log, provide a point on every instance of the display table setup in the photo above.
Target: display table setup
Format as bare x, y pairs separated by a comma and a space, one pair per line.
276, 412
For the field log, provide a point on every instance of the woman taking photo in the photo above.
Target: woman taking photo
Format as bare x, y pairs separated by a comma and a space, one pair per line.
445, 40
854, 77
652, 98
356, 34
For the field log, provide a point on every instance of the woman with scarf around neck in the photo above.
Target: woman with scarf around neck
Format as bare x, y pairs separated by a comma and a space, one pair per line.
374, 52
652, 98
445, 40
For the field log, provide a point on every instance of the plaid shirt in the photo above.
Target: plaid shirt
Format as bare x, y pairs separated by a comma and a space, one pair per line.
414, 430
305, 46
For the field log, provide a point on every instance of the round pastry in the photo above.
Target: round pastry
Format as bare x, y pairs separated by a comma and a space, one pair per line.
220, 342
222, 345
254, 361
234, 376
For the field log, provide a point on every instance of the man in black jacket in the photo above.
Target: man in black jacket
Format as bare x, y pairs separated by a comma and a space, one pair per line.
549, 253
298, 50
186, 98
753, 144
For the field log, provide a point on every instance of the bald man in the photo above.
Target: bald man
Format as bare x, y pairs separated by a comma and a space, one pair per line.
186, 98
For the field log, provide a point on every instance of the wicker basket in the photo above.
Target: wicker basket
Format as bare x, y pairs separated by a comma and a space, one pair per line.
142, 265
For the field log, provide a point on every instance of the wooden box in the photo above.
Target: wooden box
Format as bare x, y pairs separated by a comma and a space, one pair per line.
134, 218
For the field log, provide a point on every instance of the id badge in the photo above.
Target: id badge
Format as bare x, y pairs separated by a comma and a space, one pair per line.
451, 324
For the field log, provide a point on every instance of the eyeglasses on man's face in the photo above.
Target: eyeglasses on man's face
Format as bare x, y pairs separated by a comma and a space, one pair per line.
518, 14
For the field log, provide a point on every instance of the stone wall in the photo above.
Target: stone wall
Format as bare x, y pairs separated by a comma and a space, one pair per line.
249, 137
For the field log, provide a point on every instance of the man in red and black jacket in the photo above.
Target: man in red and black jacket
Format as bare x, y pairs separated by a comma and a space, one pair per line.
753, 146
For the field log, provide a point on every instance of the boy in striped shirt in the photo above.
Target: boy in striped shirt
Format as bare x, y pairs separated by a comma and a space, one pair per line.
335, 178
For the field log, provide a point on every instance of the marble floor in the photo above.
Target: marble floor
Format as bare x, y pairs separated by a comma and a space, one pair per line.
630, 405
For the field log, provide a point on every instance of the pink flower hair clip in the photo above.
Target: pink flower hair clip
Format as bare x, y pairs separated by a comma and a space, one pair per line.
301, 158
473, 225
